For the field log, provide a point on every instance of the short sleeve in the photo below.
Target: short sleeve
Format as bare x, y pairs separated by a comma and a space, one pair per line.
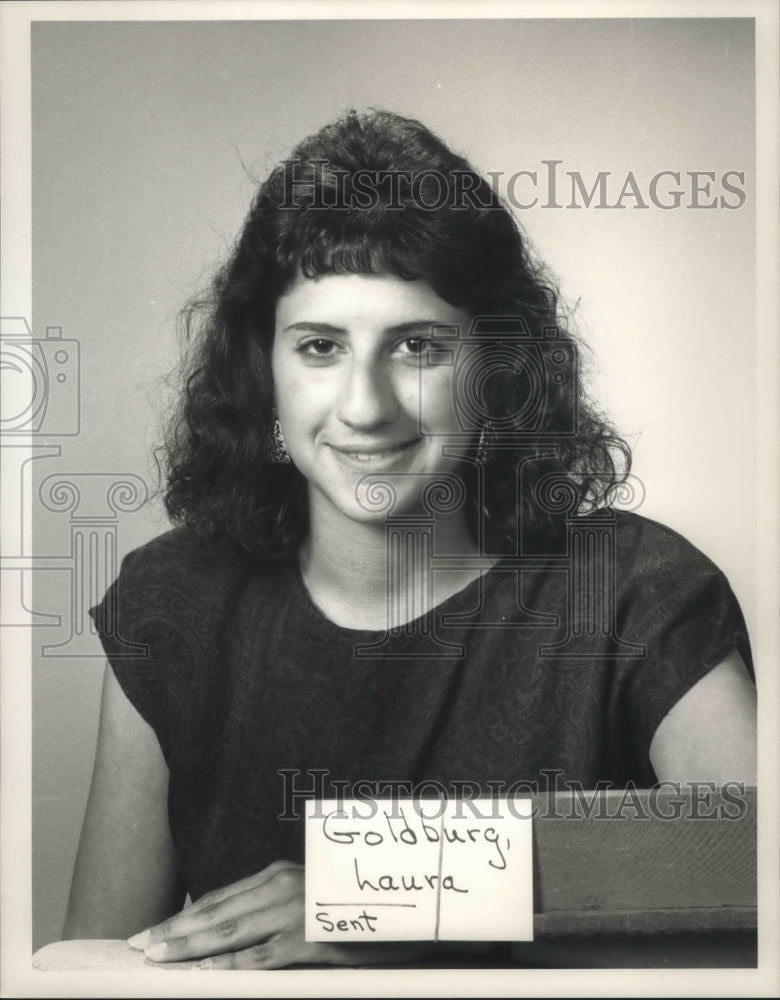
680, 607
161, 624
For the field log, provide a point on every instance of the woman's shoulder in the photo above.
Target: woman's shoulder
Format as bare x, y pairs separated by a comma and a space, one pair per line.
659, 573
177, 577
177, 545
162, 624
652, 544
182, 555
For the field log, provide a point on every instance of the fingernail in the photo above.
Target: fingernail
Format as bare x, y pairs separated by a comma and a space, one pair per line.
207, 963
140, 941
156, 951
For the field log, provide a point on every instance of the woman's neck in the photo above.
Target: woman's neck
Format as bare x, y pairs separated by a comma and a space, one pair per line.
360, 579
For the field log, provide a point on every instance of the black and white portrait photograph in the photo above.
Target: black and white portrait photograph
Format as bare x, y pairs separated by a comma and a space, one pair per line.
390, 543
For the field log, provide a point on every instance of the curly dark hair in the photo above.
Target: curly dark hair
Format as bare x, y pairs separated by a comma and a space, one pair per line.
377, 193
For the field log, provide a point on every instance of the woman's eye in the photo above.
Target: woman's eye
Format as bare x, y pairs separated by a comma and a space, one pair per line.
416, 346
424, 351
318, 348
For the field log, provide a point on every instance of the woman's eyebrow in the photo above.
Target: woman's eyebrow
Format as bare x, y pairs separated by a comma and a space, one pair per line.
415, 326
315, 327
411, 326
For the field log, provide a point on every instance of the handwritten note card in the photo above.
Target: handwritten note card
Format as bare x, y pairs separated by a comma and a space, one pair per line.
417, 870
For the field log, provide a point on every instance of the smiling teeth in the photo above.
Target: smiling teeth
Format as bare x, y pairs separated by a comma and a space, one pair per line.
376, 456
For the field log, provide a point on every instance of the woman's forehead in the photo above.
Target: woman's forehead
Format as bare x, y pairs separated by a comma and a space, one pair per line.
375, 300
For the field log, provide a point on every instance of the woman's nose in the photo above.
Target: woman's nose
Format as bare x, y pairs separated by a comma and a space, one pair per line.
367, 397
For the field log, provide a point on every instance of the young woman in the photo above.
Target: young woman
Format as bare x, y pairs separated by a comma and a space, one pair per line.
396, 561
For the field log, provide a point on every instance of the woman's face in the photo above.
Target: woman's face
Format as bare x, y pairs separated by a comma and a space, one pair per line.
360, 390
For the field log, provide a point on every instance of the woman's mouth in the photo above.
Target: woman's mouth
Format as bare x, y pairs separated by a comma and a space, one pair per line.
375, 455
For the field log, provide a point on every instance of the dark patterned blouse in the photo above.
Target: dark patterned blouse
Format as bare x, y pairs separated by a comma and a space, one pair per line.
544, 671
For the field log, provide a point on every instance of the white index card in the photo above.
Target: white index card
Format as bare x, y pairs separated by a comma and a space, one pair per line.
419, 870
487, 846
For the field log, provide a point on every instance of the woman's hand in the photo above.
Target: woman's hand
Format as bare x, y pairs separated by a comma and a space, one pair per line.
257, 923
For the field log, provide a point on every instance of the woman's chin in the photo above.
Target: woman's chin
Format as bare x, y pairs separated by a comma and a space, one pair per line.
372, 501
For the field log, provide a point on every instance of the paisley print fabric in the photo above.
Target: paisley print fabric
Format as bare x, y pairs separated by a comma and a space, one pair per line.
561, 667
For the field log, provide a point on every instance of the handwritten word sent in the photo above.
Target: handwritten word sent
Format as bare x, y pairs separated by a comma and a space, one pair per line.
411, 870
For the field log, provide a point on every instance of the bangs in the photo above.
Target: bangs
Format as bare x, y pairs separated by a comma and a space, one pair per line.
403, 243
320, 243
377, 194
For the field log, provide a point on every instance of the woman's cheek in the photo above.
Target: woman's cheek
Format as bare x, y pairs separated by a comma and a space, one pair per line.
433, 402
304, 406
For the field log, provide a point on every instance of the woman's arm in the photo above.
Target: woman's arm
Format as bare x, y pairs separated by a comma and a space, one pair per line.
126, 875
710, 734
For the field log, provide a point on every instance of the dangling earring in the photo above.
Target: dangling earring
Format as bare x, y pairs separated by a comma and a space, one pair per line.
482, 447
277, 449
